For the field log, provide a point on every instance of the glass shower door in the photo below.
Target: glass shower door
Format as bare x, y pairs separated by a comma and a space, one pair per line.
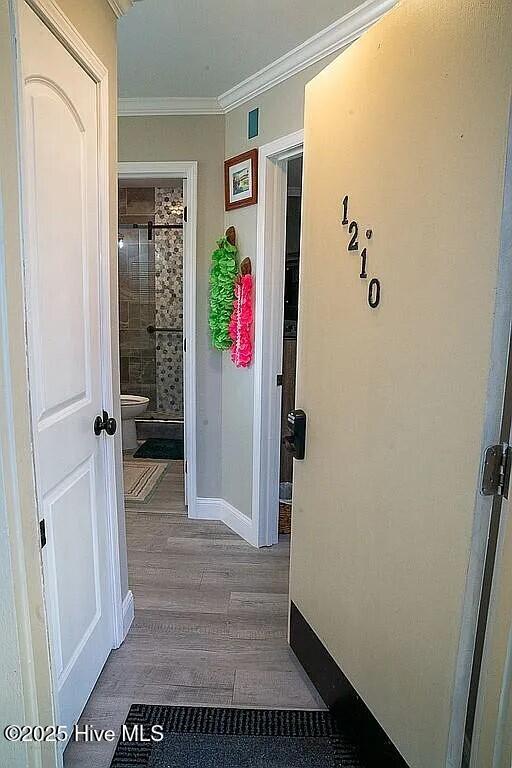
151, 305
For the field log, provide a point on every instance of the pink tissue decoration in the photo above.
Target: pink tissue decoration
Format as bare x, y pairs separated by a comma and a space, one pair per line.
241, 321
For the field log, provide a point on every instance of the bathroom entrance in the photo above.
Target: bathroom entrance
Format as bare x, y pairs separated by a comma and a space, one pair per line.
157, 223
150, 258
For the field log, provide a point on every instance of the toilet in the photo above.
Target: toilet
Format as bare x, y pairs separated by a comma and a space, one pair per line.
132, 406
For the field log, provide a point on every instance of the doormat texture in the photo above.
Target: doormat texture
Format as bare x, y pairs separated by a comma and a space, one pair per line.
206, 737
159, 448
141, 479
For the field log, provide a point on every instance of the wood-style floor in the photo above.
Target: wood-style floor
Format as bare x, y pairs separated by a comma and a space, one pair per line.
210, 623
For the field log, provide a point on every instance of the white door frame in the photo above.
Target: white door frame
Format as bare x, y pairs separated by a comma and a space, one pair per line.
268, 323
68, 35
186, 170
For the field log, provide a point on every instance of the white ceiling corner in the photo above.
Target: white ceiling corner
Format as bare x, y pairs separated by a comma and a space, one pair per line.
120, 7
329, 40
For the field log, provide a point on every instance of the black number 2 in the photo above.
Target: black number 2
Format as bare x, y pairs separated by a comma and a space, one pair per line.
354, 231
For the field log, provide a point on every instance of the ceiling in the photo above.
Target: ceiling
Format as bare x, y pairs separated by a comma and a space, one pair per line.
202, 48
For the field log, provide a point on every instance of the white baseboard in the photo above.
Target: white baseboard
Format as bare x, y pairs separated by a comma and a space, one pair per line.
220, 509
128, 612
206, 509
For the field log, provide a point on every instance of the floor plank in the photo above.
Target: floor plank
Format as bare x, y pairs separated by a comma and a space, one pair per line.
210, 622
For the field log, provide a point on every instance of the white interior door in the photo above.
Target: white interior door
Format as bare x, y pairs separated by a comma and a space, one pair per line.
63, 316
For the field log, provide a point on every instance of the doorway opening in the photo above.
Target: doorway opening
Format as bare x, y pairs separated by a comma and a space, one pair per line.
157, 285
150, 263
150, 270
290, 318
278, 251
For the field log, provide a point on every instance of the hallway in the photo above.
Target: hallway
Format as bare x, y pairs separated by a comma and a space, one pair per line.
268, 248
210, 623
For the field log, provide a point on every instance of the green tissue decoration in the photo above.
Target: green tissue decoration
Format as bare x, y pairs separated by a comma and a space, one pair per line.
222, 292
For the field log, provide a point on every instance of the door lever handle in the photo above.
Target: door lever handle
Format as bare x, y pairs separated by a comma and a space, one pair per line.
295, 442
107, 423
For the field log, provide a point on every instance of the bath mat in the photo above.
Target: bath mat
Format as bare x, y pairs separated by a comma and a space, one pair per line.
141, 479
206, 737
160, 448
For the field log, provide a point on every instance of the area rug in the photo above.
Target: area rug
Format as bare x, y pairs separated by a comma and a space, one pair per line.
206, 737
141, 479
160, 448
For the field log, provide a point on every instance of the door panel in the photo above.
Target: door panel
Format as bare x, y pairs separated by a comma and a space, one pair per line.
63, 320
60, 314
493, 732
70, 505
411, 123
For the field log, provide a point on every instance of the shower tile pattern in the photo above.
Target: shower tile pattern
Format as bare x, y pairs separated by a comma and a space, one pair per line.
151, 293
169, 301
136, 263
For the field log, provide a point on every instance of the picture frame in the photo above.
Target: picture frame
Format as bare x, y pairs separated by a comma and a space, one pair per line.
241, 180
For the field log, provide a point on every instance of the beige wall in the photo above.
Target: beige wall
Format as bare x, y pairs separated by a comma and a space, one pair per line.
281, 113
96, 22
145, 139
412, 122
225, 393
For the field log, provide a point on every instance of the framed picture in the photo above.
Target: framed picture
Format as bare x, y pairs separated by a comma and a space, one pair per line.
241, 180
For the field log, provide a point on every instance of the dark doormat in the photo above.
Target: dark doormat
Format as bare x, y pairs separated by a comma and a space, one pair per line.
159, 448
205, 737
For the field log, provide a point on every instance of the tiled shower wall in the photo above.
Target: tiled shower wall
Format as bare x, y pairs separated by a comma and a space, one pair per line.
169, 301
151, 293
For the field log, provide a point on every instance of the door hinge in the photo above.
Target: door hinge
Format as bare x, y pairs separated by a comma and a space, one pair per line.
185, 466
184, 344
42, 533
279, 380
185, 214
496, 470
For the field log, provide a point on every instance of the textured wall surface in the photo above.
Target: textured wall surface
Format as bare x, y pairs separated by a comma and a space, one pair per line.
169, 302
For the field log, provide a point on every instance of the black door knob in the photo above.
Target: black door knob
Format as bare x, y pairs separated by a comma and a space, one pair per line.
105, 422
111, 426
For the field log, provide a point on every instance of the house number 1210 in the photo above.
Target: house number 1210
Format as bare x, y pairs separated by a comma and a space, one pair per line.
353, 245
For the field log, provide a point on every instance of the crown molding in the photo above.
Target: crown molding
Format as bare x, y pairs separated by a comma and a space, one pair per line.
333, 38
329, 40
138, 107
120, 7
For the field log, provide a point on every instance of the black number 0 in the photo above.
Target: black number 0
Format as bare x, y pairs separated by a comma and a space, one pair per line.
374, 293
354, 231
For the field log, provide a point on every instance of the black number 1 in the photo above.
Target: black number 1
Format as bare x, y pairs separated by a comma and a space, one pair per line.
344, 220
363, 264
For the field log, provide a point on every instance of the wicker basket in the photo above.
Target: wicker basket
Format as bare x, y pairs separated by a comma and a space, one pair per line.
285, 518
